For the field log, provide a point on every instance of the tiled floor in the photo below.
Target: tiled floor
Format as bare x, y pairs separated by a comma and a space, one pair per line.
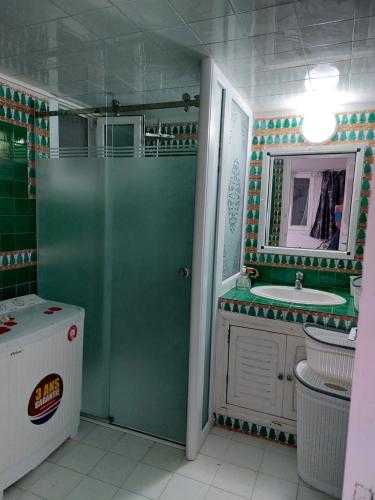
103, 463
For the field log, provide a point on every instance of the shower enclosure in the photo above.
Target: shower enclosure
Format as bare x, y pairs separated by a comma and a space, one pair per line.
136, 234
115, 236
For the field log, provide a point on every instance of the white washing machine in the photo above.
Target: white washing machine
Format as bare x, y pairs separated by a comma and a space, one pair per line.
40, 381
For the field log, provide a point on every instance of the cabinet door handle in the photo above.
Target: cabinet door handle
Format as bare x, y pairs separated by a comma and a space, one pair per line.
280, 376
289, 378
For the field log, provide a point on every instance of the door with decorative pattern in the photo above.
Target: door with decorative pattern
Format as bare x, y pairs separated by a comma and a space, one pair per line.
255, 377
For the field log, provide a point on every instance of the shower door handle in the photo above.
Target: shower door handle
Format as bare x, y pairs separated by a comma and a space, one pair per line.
184, 273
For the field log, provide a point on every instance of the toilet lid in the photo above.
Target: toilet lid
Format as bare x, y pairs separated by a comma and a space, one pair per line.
329, 336
324, 385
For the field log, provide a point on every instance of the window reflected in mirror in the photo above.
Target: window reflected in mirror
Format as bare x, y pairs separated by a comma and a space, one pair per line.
310, 201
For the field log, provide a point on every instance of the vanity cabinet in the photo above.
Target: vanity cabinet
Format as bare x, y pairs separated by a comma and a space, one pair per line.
254, 370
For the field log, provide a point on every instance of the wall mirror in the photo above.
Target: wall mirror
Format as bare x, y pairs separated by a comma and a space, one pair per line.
310, 201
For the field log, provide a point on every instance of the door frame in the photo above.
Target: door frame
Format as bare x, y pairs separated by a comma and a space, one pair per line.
209, 189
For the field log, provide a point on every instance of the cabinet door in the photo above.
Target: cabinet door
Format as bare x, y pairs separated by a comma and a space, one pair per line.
256, 362
295, 351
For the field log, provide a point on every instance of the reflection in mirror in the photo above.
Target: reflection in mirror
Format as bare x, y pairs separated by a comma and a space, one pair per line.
310, 201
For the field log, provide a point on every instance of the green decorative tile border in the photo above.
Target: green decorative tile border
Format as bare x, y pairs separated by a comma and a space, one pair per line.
244, 302
286, 132
255, 430
18, 258
186, 133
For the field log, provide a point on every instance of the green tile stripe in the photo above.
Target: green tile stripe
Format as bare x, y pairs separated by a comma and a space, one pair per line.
255, 430
289, 314
12, 260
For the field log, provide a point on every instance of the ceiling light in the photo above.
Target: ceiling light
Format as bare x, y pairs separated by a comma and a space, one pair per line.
322, 77
319, 126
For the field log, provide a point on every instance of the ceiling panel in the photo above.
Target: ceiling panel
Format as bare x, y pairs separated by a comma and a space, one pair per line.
149, 14
220, 29
139, 50
198, 10
73, 7
107, 23
311, 12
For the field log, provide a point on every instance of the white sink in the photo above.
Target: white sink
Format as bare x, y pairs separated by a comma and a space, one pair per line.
307, 296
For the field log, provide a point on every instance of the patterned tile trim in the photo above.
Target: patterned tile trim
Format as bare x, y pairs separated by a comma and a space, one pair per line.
186, 133
18, 258
284, 313
255, 430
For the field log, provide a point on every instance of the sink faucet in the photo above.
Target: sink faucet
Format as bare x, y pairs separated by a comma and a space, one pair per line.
298, 283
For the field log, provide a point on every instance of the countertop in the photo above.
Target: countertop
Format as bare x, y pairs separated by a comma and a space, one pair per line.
244, 302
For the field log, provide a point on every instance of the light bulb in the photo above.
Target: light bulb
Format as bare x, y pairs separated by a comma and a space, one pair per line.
319, 126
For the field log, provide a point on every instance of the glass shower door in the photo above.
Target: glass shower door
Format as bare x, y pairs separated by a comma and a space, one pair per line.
152, 215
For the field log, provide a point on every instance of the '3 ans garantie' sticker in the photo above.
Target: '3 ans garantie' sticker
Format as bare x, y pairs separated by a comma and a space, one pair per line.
45, 399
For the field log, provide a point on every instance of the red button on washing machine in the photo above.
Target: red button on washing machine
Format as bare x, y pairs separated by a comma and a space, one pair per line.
4, 329
10, 323
48, 312
55, 309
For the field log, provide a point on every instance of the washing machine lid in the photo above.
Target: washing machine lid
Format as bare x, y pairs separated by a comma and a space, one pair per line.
329, 336
30, 314
324, 385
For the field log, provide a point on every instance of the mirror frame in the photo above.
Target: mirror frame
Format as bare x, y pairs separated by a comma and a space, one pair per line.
269, 155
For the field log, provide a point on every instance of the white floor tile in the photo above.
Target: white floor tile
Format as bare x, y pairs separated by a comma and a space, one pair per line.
164, 457
282, 448
14, 493
113, 468
234, 479
147, 481
57, 484
128, 495
219, 431
305, 493
102, 437
267, 487
241, 437
91, 489
244, 455
279, 465
82, 458
216, 494
215, 446
84, 428
62, 450
202, 469
32, 477
132, 446
183, 488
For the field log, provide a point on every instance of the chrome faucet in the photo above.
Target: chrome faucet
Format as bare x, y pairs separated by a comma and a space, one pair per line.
298, 283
